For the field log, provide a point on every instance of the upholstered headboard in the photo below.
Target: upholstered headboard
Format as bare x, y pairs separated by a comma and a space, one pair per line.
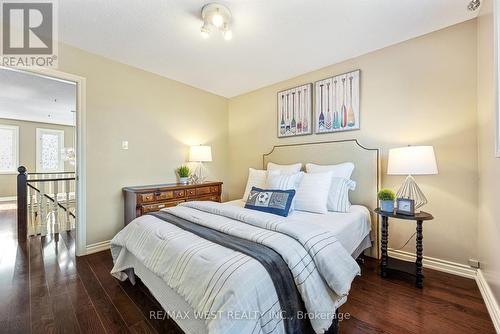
366, 172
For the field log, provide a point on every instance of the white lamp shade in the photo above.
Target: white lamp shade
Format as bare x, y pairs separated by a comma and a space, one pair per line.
412, 160
200, 153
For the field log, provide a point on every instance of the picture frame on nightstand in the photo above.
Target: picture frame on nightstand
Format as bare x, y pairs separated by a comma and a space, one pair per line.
405, 206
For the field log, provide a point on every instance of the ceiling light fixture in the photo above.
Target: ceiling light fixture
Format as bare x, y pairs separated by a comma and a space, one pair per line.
218, 16
473, 5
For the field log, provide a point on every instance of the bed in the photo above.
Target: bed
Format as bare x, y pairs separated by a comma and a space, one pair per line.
221, 268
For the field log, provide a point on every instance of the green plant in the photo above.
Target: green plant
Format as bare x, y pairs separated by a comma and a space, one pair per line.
183, 171
386, 195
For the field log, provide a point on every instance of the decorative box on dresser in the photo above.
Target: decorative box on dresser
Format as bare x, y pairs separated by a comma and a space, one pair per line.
140, 200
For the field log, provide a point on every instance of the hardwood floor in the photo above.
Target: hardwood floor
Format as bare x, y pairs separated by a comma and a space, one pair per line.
45, 289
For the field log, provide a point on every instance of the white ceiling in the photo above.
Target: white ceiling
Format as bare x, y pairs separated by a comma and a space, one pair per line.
34, 98
273, 40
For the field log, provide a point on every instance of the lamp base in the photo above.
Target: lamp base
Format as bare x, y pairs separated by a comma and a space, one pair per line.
410, 190
197, 176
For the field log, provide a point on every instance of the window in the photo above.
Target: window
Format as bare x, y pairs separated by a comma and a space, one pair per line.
9, 149
49, 146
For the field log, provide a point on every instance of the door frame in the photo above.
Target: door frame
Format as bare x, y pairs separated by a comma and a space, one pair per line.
81, 155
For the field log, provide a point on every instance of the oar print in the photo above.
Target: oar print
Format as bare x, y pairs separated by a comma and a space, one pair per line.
343, 122
301, 114
328, 119
350, 112
293, 128
321, 122
336, 116
305, 107
287, 127
282, 123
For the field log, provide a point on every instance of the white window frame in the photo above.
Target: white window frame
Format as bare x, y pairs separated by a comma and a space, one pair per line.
16, 148
39, 133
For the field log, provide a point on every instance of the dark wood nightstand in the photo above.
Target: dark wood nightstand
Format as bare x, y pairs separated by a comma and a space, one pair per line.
143, 199
387, 263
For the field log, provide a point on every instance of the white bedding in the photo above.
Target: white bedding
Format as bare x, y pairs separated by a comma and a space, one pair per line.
319, 269
349, 228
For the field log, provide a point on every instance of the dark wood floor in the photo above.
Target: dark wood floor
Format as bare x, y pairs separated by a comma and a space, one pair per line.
45, 289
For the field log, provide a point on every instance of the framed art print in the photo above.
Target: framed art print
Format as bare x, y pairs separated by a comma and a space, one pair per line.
337, 103
295, 111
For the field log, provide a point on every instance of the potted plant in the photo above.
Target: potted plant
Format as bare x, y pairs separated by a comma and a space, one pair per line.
183, 172
386, 198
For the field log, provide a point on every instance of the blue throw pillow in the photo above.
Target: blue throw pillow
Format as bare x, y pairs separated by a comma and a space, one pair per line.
273, 201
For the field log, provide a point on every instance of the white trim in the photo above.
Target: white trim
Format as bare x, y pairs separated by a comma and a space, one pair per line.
15, 130
436, 264
8, 199
496, 74
81, 155
98, 247
489, 299
39, 133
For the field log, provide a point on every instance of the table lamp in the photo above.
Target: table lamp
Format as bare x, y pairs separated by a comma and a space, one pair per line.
412, 160
200, 154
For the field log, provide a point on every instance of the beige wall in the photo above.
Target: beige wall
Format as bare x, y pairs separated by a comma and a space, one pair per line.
27, 150
489, 166
422, 91
159, 117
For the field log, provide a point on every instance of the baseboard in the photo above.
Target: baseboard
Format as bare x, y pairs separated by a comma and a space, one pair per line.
436, 264
98, 247
8, 199
489, 299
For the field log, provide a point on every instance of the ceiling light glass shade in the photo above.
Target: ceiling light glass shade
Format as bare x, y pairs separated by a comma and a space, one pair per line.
200, 153
228, 35
412, 160
205, 31
217, 20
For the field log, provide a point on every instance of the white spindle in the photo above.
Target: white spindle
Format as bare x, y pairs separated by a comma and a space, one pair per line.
55, 211
43, 208
68, 222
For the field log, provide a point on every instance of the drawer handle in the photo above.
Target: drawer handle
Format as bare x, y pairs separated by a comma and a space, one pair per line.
161, 206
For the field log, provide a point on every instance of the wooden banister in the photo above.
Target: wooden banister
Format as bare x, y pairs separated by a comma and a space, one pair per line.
22, 205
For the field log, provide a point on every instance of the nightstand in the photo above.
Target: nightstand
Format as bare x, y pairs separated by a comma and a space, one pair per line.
387, 263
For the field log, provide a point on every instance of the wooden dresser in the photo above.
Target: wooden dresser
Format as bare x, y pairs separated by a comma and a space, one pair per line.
143, 199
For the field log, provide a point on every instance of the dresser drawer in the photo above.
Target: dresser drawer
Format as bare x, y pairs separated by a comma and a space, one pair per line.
213, 198
166, 195
145, 198
191, 192
214, 189
203, 191
158, 206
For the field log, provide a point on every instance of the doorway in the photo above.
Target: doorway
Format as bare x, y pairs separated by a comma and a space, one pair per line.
45, 111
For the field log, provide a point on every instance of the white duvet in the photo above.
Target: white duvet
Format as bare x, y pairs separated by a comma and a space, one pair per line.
231, 291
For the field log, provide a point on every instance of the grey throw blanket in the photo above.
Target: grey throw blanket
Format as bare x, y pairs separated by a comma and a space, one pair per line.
288, 296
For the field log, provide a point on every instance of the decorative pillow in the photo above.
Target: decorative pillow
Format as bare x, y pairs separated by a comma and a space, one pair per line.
256, 178
284, 182
285, 169
312, 194
338, 195
340, 170
273, 201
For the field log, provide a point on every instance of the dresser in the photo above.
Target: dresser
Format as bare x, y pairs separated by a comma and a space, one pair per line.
143, 199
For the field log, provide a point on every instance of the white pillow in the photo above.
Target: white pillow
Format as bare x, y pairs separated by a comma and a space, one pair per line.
312, 194
340, 170
285, 169
284, 182
256, 178
338, 195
